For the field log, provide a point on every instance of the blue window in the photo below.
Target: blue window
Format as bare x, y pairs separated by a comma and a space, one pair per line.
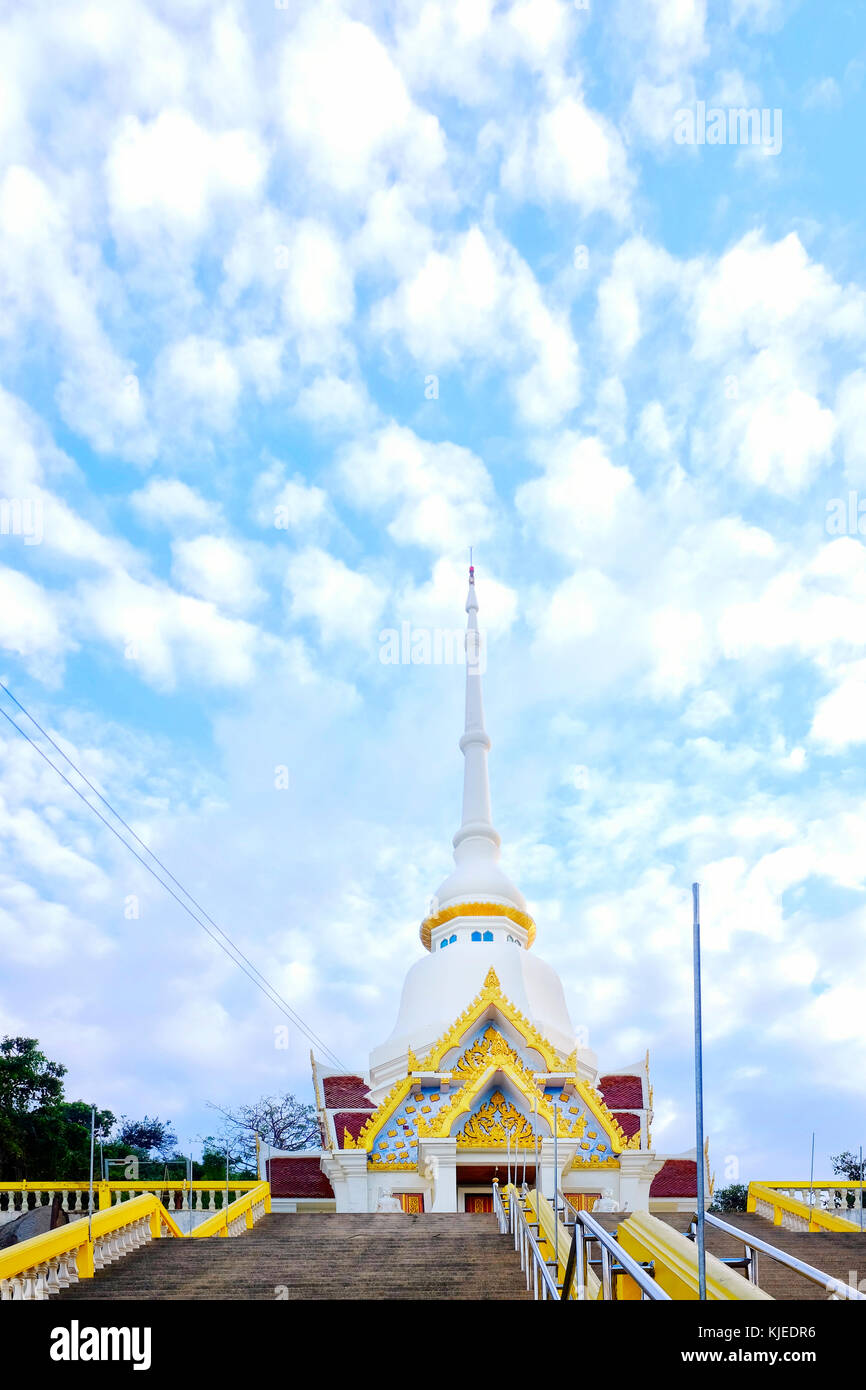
476, 936
453, 939
442, 944
488, 936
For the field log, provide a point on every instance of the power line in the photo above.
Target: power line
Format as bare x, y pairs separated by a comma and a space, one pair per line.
261, 982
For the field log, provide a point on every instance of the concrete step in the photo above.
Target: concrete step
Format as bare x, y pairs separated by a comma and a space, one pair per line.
323, 1256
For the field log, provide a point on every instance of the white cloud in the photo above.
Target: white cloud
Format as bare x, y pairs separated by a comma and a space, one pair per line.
165, 635
569, 153
171, 173
198, 383
170, 502
479, 300
769, 293
344, 603
31, 624
219, 570
580, 499
437, 494
346, 109
851, 417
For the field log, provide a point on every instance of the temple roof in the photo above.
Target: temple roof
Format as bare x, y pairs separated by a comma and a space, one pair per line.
678, 1178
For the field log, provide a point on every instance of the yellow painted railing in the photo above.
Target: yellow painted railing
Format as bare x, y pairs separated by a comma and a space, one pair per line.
239, 1215
37, 1268
675, 1261
203, 1194
775, 1202
555, 1240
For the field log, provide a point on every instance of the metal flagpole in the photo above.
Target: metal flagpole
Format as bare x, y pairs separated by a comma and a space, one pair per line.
227, 1173
536, 1142
90, 1194
699, 1091
189, 1171
861, 1187
812, 1171
556, 1184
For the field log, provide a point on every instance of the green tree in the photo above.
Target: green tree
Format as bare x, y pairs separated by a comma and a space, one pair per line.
145, 1135
282, 1122
731, 1198
42, 1135
849, 1165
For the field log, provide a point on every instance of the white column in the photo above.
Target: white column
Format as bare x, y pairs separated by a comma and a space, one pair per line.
346, 1169
636, 1172
438, 1157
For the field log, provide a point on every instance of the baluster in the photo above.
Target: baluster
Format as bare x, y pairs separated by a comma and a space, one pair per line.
78, 1196
211, 1200
52, 1284
64, 1199
5, 1290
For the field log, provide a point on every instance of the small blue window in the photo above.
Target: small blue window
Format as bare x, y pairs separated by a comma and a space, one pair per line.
442, 944
488, 936
476, 936
453, 938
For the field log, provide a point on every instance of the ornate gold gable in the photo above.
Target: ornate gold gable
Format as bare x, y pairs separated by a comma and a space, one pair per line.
497, 1123
391, 1133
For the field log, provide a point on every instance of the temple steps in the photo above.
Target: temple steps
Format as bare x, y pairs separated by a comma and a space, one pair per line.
322, 1256
839, 1254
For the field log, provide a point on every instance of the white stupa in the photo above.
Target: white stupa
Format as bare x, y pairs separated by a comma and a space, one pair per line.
478, 919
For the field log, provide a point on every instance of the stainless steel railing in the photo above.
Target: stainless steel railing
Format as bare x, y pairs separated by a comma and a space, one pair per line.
836, 1288
613, 1260
512, 1221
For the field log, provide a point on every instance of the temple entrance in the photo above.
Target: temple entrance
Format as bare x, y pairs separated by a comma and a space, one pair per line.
478, 1201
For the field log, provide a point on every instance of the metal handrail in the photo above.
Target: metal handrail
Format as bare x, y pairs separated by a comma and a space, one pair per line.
839, 1289
532, 1262
585, 1227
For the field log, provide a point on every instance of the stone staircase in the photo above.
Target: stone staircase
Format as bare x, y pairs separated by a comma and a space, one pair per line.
322, 1255
840, 1254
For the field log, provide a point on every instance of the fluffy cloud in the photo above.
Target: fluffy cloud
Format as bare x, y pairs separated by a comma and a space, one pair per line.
344, 604
171, 173
347, 113
219, 570
437, 494
569, 154
478, 299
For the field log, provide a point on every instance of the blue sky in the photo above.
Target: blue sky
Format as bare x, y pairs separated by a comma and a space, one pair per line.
410, 278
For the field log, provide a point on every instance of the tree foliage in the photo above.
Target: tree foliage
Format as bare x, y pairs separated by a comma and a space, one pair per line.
147, 1135
848, 1165
282, 1122
731, 1198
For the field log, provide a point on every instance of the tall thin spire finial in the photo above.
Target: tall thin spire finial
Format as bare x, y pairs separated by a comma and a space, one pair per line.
476, 823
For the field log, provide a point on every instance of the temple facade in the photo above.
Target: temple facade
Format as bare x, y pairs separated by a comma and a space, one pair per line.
483, 1073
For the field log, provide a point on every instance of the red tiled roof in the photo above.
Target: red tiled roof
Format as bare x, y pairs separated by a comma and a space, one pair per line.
298, 1177
622, 1092
351, 1120
345, 1093
629, 1123
678, 1178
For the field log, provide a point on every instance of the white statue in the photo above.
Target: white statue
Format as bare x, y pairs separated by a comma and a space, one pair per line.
388, 1202
606, 1201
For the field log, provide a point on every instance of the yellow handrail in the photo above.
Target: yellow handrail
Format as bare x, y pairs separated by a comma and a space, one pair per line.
81, 1239
801, 1215
675, 1261
221, 1221
103, 1190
